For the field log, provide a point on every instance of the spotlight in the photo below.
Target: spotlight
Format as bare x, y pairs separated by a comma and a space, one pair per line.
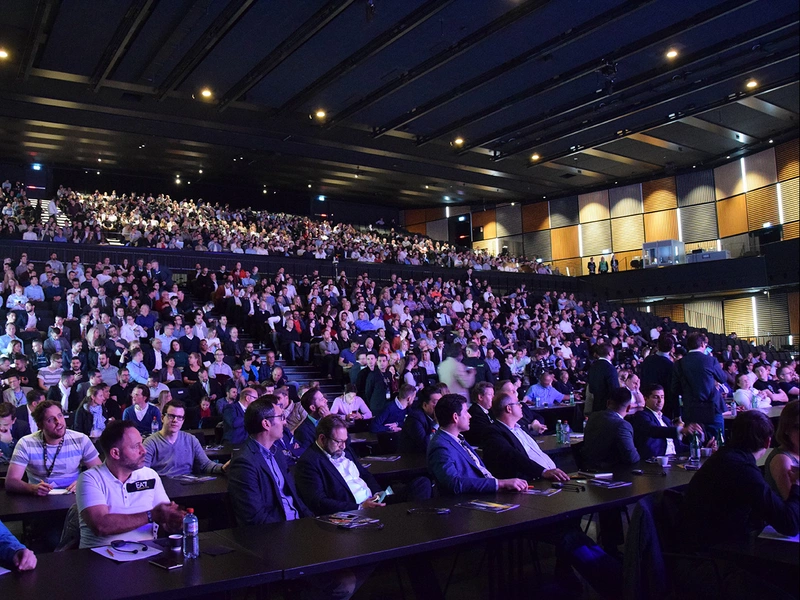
206, 93
458, 142
672, 54
3, 53
200, 171
752, 84
535, 156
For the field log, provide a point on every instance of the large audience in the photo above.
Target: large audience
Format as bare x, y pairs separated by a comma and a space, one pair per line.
116, 350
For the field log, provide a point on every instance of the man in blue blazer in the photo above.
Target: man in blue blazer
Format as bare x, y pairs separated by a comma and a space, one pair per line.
260, 488
453, 462
233, 428
695, 377
315, 404
653, 433
608, 437
329, 476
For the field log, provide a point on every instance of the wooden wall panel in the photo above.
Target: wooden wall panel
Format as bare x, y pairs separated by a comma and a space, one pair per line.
739, 317
414, 216
791, 230
760, 169
662, 225
536, 216
793, 306
509, 219
696, 187
596, 237
790, 199
762, 207
626, 200
773, 314
438, 230
564, 242
419, 228
434, 214
574, 267
659, 194
699, 223
728, 180
627, 233
787, 161
564, 212
485, 219
732, 216
537, 244
594, 206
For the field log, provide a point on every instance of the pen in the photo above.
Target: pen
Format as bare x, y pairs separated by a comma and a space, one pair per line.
110, 553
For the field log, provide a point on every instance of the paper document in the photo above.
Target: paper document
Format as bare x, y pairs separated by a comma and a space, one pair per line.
770, 534
112, 554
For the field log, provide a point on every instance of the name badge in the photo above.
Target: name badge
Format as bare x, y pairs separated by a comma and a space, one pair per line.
141, 486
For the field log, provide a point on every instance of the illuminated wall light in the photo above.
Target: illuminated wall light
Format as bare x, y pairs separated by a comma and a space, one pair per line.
780, 204
580, 240
680, 229
766, 225
462, 219
447, 212
791, 341
744, 175
648, 309
719, 245
755, 315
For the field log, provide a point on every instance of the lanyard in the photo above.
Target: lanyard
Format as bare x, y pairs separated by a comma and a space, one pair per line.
52, 466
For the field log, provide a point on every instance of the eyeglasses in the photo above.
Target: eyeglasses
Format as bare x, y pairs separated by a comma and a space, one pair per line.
513, 403
280, 417
175, 417
338, 442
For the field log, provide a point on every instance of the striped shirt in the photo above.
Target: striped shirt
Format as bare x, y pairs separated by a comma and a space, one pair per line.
78, 449
50, 377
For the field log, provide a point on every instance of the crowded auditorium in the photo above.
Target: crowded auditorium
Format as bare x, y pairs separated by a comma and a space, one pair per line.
383, 300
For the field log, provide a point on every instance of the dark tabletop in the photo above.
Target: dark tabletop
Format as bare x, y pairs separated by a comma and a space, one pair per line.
761, 550
83, 575
18, 506
773, 412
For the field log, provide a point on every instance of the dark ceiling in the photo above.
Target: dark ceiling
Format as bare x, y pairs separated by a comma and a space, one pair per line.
584, 85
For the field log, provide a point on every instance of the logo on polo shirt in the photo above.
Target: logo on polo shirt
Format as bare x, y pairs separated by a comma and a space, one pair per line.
141, 486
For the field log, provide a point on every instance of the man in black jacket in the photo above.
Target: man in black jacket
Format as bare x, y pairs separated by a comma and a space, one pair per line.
603, 379
657, 368
329, 476
481, 412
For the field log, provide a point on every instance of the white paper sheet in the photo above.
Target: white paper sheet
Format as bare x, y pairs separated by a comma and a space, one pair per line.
111, 554
770, 534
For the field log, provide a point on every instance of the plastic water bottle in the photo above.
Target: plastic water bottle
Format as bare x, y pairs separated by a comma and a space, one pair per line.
733, 408
559, 433
585, 422
754, 401
191, 535
572, 398
154, 426
566, 432
537, 402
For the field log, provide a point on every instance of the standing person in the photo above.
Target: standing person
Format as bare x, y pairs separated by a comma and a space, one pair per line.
695, 377
656, 369
603, 379
614, 264
379, 386
591, 266
458, 378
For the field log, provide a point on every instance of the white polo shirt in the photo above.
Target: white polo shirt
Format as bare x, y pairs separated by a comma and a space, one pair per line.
141, 492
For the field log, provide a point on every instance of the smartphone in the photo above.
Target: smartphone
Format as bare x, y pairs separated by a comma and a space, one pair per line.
168, 562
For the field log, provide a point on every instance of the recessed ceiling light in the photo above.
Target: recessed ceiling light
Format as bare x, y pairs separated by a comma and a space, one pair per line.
458, 141
309, 186
447, 197
752, 84
99, 160
320, 114
98, 172
178, 181
728, 156
672, 54
770, 141
263, 191
200, 171
206, 93
3, 53
535, 156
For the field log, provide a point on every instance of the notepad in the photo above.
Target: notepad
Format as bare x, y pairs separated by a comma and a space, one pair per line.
547, 492
610, 485
492, 507
769, 533
115, 555
58, 492
4, 571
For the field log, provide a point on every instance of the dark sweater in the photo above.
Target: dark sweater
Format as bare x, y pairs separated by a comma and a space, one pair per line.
728, 498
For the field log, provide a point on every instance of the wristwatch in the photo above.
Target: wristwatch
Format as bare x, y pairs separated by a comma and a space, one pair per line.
149, 516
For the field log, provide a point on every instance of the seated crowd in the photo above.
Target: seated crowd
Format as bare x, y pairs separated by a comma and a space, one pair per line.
126, 357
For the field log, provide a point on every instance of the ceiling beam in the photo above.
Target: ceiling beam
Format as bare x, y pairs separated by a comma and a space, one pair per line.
313, 25
688, 89
607, 139
436, 61
43, 19
646, 82
565, 38
768, 108
659, 143
385, 39
226, 19
588, 68
720, 130
575, 170
131, 23
625, 160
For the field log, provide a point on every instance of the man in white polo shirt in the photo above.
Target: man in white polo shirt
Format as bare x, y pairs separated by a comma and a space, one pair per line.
121, 498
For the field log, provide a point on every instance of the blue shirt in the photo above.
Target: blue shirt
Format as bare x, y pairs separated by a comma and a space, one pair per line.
138, 372
9, 546
546, 394
348, 356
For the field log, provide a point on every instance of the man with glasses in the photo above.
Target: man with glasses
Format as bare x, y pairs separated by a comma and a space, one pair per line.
329, 477
121, 499
172, 452
233, 422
